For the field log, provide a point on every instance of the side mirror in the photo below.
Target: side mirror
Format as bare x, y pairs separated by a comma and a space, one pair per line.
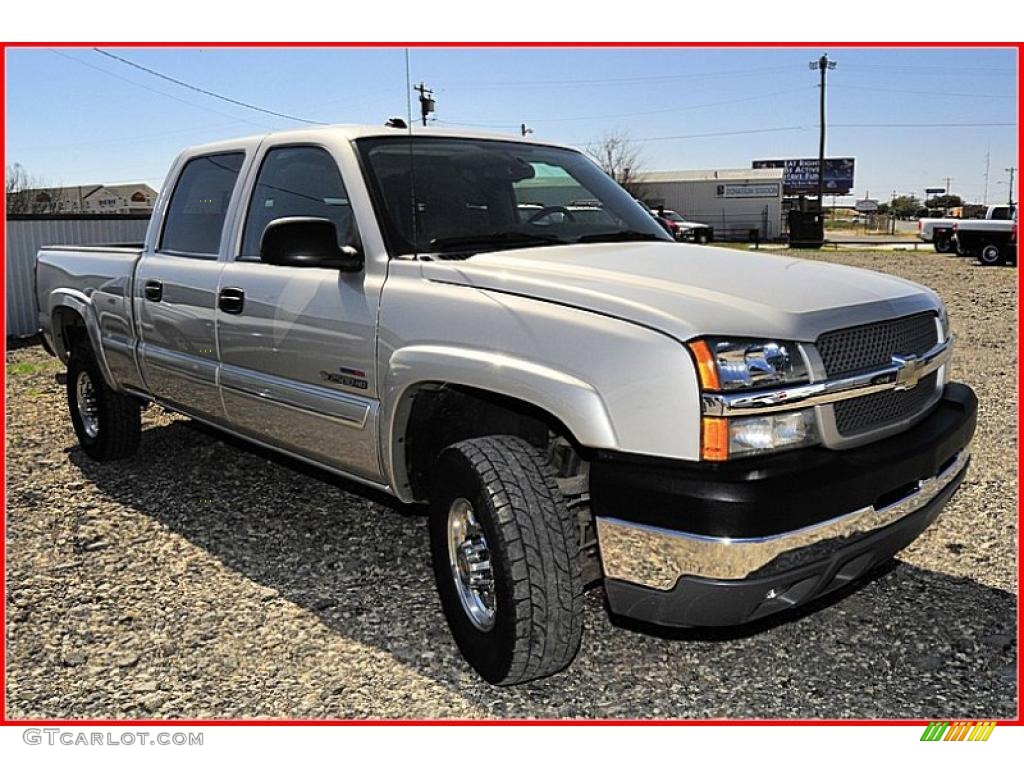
307, 241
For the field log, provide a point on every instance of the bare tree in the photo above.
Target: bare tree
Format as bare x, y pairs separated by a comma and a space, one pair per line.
620, 158
16, 181
27, 194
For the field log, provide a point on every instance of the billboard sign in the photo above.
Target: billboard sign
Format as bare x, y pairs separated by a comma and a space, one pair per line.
866, 206
748, 190
800, 176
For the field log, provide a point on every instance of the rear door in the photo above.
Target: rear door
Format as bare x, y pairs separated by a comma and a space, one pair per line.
297, 343
176, 286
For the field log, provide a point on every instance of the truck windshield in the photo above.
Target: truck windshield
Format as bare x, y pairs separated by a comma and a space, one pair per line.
453, 197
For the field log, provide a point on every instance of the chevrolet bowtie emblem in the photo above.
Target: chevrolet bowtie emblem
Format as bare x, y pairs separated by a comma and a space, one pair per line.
908, 371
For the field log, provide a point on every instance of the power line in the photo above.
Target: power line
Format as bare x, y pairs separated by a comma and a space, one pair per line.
719, 133
921, 125
134, 139
931, 69
670, 110
154, 90
471, 85
924, 93
205, 92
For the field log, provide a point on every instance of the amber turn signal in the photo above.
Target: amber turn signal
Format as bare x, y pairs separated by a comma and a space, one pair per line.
706, 368
714, 439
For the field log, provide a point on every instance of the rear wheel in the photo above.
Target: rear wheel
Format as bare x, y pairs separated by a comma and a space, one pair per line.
505, 551
991, 255
107, 423
944, 244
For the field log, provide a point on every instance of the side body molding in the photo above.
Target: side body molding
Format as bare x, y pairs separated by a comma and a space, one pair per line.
576, 403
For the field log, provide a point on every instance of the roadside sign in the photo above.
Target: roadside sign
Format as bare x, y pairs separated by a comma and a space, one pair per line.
748, 190
866, 206
800, 176
935, 190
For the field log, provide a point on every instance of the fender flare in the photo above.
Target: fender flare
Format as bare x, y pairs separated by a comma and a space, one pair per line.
572, 401
81, 305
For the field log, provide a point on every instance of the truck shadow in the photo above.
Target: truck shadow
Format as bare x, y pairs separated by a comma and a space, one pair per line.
906, 642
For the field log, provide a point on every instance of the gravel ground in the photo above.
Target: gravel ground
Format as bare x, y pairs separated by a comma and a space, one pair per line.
204, 579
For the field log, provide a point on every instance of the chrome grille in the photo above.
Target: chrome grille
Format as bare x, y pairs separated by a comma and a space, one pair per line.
863, 414
864, 347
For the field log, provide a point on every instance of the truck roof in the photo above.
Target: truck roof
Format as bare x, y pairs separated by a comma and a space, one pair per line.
352, 132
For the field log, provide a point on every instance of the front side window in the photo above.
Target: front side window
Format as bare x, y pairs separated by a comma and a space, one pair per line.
199, 204
456, 197
297, 181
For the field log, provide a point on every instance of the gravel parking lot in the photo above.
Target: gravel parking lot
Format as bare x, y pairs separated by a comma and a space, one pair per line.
204, 579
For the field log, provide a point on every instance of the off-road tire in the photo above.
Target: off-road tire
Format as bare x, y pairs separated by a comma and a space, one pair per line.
534, 551
119, 416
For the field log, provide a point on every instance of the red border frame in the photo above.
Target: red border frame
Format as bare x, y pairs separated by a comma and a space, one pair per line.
459, 44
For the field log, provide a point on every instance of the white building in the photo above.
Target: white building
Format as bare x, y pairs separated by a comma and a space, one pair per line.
733, 202
88, 199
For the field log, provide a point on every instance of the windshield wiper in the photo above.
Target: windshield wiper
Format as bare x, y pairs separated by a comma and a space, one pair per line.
618, 237
467, 242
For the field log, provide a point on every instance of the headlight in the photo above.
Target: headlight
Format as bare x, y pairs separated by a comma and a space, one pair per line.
749, 363
725, 365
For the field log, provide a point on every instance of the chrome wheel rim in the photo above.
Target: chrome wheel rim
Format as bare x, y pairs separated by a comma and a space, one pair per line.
990, 254
470, 561
88, 408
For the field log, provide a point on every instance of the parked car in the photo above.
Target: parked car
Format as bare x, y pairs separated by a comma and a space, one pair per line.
993, 243
581, 402
682, 229
939, 231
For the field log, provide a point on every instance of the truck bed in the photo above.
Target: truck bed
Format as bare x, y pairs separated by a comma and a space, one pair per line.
96, 282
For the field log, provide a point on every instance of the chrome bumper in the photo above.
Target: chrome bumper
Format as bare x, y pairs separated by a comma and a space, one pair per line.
657, 558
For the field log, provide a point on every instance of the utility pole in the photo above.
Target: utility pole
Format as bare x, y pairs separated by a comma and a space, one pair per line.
1009, 198
823, 65
945, 208
426, 101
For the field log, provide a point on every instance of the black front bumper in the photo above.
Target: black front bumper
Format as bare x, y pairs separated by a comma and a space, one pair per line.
773, 496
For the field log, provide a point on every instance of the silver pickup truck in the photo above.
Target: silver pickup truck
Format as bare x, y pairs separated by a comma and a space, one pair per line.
580, 400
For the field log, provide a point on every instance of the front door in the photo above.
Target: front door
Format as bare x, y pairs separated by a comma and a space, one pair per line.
176, 288
297, 343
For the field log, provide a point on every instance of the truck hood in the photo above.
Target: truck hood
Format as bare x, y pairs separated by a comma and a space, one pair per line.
690, 290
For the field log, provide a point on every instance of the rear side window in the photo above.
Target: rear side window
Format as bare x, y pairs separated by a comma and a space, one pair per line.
195, 217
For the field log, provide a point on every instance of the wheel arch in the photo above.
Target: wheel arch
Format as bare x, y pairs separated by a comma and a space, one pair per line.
71, 319
487, 393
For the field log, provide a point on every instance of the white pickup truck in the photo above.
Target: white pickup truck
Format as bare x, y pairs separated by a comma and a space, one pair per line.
992, 242
939, 232
580, 400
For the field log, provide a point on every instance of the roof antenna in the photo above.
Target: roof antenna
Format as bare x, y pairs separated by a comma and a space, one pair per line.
412, 169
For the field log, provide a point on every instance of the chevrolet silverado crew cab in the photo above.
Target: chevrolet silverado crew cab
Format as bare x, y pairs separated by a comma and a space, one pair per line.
579, 399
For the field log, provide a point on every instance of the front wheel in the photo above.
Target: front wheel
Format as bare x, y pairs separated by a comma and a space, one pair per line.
107, 423
991, 255
506, 559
